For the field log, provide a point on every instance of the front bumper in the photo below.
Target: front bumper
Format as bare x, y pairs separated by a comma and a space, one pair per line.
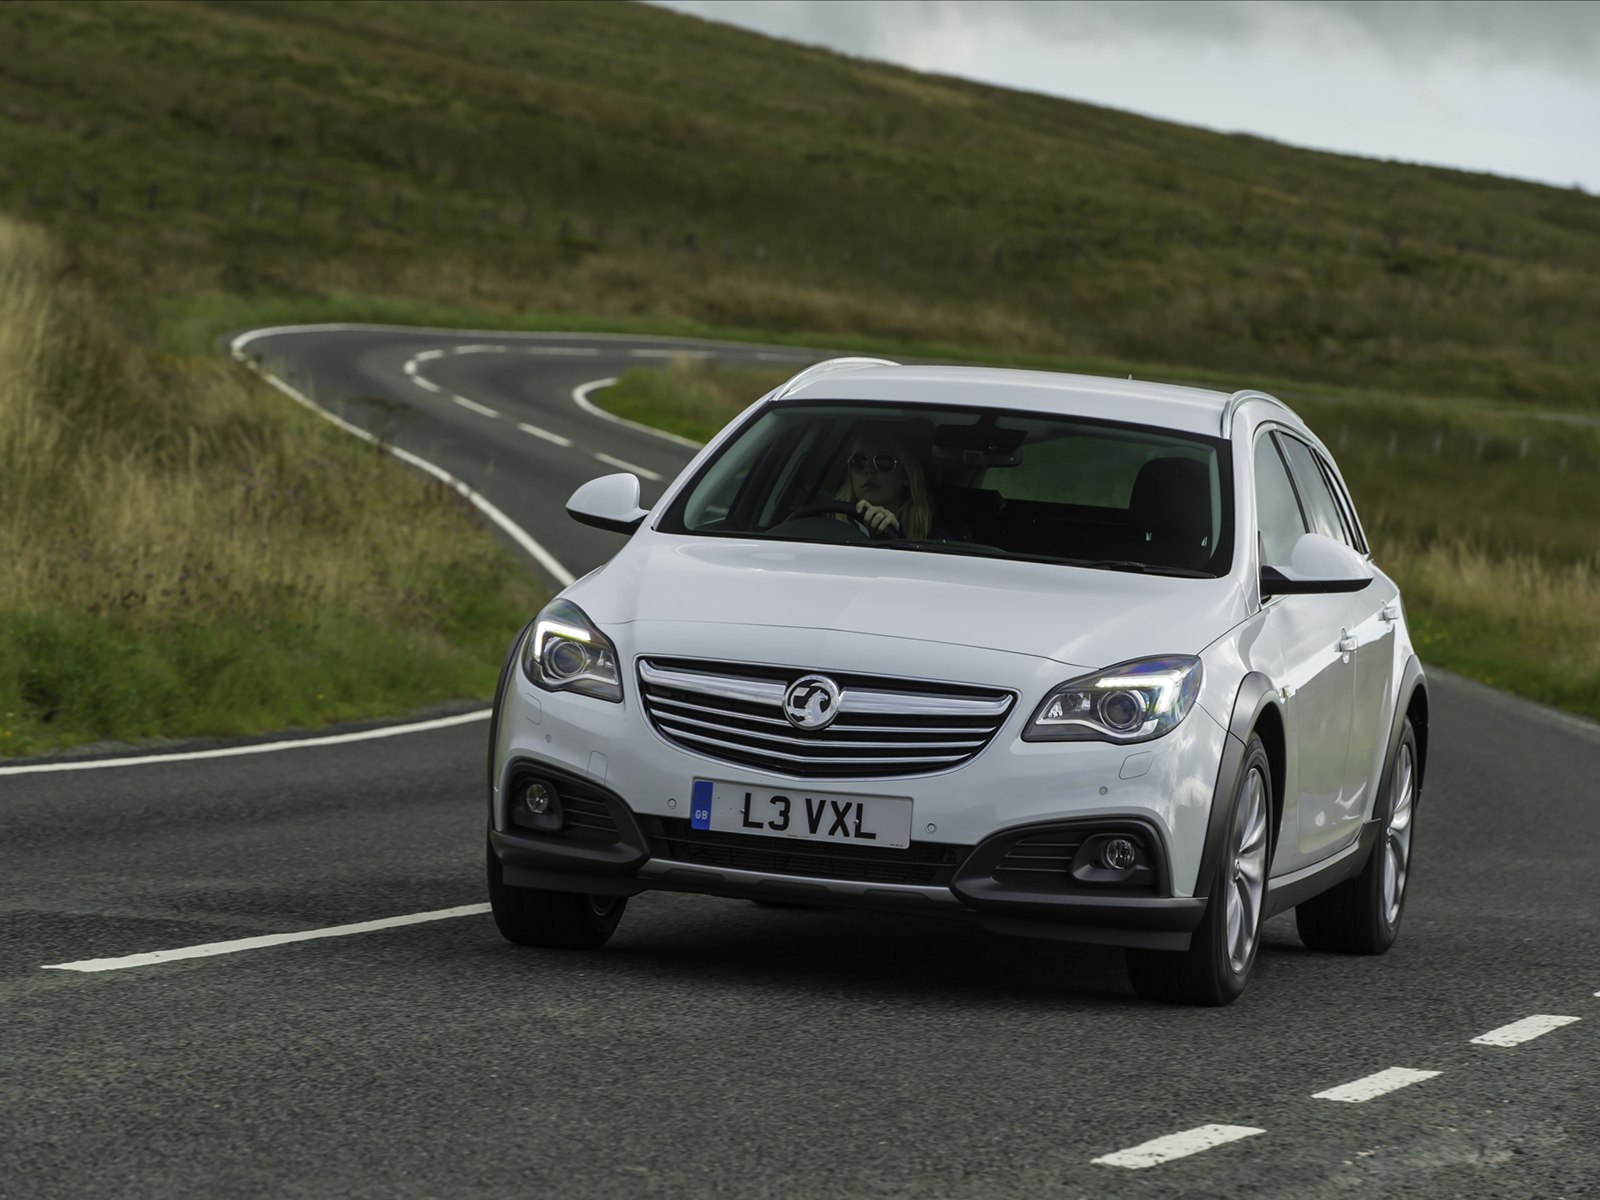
619, 851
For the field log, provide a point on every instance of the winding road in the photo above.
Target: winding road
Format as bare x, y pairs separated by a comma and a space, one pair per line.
715, 1048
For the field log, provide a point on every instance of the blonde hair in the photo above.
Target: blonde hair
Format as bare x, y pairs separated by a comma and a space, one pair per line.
916, 514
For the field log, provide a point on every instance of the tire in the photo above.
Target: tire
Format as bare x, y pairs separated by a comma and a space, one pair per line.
537, 917
1362, 915
1214, 969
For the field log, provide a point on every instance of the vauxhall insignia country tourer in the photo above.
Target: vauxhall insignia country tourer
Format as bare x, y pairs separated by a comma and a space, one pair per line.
1068, 657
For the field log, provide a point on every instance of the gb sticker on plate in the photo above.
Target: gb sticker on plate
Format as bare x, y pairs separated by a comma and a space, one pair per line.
700, 805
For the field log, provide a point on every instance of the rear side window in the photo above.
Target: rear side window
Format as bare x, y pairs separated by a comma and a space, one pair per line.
1278, 518
1318, 501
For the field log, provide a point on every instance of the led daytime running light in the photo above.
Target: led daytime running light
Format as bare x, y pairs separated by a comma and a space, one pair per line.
560, 630
1085, 709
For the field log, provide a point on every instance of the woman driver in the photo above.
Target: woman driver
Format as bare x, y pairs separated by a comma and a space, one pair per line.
885, 483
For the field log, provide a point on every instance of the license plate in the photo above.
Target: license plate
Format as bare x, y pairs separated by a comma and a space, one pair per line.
813, 816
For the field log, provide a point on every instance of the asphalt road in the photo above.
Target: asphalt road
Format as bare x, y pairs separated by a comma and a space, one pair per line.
715, 1048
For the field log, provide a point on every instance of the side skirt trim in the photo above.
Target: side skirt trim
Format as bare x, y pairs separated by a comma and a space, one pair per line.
1289, 890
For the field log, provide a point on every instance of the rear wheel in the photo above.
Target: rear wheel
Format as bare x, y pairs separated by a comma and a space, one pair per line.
1362, 915
1215, 967
538, 917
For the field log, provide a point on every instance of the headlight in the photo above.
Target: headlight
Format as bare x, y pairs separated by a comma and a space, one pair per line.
566, 653
1130, 702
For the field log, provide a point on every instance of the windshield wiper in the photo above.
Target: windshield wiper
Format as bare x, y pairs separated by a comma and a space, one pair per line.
1139, 568
941, 547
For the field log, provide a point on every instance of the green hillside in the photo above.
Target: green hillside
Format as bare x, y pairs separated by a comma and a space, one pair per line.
177, 563
626, 161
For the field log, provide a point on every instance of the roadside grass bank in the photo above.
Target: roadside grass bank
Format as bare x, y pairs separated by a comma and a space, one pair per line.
1496, 547
187, 553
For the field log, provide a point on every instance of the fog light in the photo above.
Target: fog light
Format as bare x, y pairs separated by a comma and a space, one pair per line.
539, 798
1118, 854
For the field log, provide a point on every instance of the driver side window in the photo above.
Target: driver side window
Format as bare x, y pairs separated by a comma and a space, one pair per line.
1279, 522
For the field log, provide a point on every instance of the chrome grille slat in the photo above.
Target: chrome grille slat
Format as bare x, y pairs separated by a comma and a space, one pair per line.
734, 712
807, 758
857, 700
797, 740
978, 728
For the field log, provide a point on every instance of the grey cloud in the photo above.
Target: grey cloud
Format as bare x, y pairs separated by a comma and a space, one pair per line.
1558, 34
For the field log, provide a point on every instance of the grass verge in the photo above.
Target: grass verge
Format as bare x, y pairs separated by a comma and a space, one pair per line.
189, 554
1496, 549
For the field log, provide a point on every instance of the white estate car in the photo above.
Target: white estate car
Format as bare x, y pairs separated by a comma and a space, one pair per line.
1121, 670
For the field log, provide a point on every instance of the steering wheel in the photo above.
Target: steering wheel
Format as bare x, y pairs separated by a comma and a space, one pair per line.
822, 508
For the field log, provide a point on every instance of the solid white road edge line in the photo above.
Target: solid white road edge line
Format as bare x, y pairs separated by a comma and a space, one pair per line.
1176, 1145
624, 465
580, 397
331, 739
1368, 1087
1521, 1031
210, 949
517, 534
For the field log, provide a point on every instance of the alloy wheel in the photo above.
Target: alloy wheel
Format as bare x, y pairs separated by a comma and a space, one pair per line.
1249, 870
1397, 836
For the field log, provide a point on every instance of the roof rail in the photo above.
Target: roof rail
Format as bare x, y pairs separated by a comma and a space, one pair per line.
824, 368
1245, 397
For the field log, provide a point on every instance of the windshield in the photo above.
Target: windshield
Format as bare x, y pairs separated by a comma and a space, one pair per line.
971, 481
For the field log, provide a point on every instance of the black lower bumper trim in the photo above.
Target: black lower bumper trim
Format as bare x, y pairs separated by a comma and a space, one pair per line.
641, 860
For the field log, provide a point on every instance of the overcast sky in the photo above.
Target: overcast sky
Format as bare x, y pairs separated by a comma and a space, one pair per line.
1508, 87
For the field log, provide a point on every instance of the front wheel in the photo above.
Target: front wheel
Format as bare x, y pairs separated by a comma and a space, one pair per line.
1215, 967
539, 917
1362, 915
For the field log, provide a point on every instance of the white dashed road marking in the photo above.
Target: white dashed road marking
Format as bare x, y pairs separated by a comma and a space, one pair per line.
544, 433
482, 410
670, 354
426, 384
209, 949
1358, 1091
1521, 1031
623, 465
1176, 1145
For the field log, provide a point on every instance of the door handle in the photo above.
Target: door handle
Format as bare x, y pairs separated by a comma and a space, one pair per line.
1348, 644
1390, 613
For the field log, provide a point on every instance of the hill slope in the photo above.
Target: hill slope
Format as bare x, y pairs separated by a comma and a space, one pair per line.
621, 159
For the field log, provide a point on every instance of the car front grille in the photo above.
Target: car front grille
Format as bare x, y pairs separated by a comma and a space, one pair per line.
885, 727
923, 863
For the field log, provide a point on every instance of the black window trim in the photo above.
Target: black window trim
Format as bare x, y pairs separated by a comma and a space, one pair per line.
1346, 506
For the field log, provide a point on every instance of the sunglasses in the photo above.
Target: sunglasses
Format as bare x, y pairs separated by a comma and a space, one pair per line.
881, 463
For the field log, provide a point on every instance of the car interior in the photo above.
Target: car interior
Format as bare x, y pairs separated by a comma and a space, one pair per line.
1014, 485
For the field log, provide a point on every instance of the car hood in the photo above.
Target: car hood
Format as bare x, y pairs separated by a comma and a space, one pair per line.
1077, 616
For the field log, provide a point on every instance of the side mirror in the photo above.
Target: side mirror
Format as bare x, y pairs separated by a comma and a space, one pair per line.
610, 503
1318, 564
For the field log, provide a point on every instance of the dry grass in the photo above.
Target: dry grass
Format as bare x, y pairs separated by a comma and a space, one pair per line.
241, 563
